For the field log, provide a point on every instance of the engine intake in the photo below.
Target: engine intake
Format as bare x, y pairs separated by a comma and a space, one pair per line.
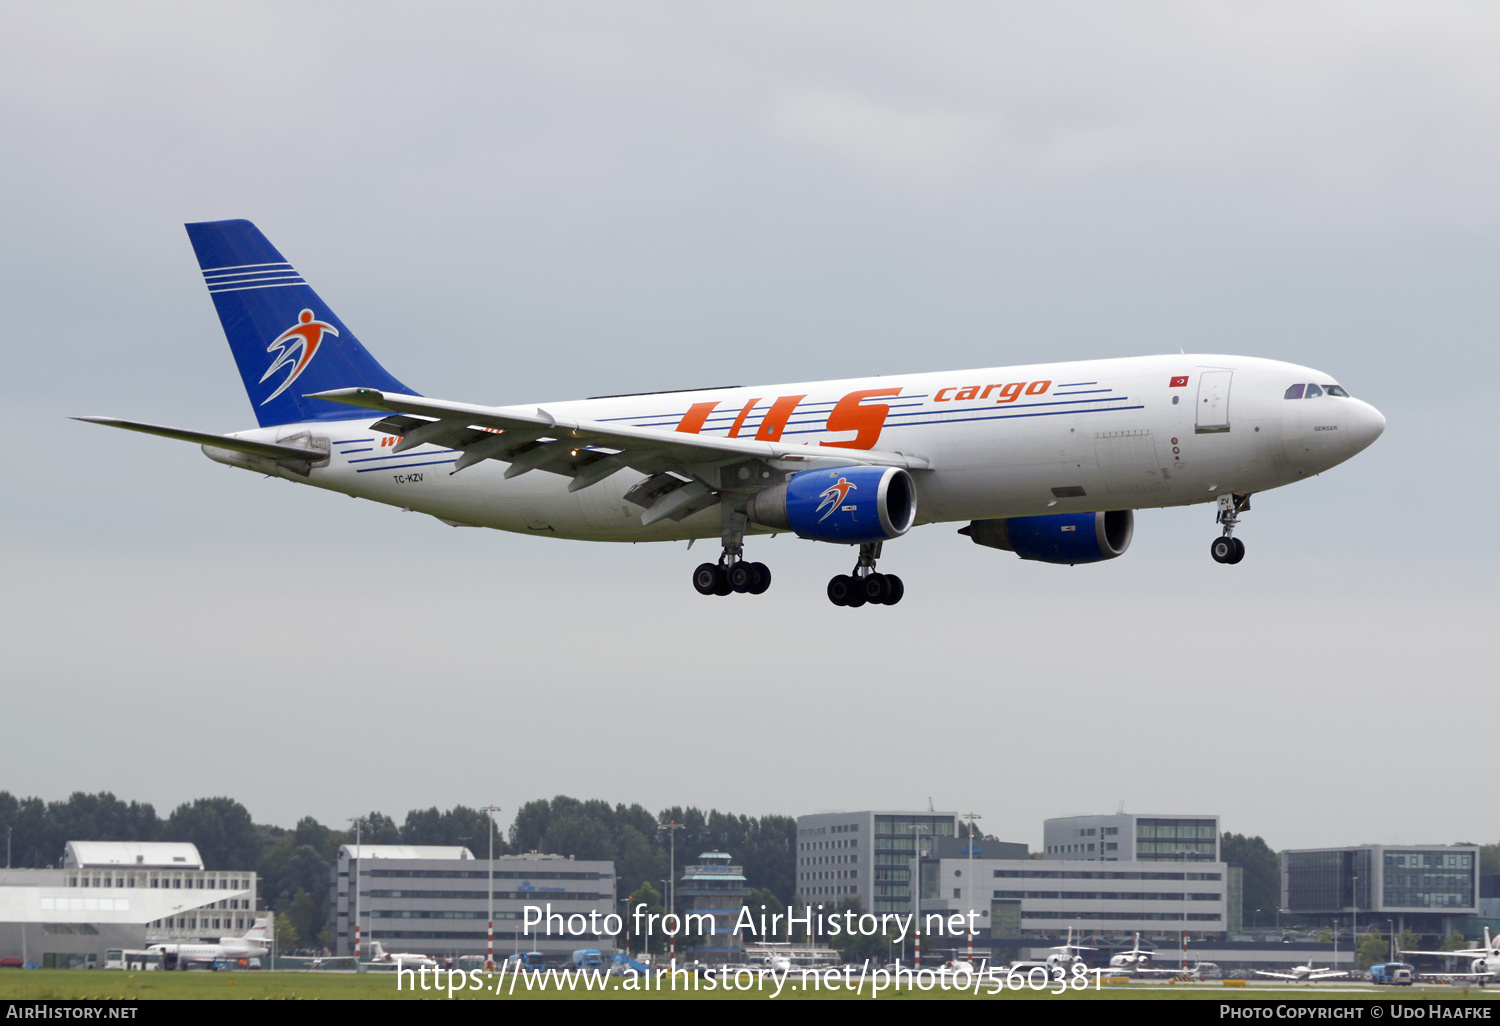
843, 504
1059, 538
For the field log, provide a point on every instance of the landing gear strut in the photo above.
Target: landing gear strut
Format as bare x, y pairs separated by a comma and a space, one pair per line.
865, 584
1227, 548
732, 573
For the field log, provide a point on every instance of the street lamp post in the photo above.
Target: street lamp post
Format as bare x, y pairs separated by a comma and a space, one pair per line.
489, 947
971, 817
1354, 914
671, 827
916, 895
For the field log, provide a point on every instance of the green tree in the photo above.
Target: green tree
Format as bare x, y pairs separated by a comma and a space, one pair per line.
649, 896
1489, 859
286, 934
577, 833
378, 829
1262, 868
1372, 949
460, 825
854, 947
220, 827
1453, 942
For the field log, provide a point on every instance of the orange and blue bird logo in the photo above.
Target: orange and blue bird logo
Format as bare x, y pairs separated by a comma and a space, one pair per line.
833, 498
295, 347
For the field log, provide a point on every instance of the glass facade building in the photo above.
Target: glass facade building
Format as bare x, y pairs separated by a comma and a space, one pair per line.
1424, 885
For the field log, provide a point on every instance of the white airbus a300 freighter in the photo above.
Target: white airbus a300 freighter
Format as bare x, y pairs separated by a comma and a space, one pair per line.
1047, 460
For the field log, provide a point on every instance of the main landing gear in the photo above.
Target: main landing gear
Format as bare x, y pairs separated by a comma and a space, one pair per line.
732, 572
726, 576
1227, 548
865, 584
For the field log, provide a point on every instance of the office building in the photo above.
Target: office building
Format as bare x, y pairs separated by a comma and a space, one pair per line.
1431, 888
434, 900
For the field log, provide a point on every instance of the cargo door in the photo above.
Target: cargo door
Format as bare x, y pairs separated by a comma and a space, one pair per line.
1128, 463
1213, 401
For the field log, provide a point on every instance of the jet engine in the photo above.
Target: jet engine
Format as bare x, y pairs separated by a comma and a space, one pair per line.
842, 504
1058, 538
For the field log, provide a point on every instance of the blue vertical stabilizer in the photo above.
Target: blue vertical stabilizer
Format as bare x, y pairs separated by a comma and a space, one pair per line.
286, 341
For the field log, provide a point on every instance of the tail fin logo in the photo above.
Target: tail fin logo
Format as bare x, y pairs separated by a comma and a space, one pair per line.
295, 348
833, 497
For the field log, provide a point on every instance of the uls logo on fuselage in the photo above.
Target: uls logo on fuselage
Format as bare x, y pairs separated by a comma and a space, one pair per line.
296, 346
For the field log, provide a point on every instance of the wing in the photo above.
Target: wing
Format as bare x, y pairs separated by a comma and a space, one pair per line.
1327, 975
1277, 976
1455, 976
1470, 953
685, 472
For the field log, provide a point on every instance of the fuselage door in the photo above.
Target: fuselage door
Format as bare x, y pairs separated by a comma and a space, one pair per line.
1213, 400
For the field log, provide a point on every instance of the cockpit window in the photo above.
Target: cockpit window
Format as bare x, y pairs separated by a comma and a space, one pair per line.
1313, 391
1295, 392
1335, 390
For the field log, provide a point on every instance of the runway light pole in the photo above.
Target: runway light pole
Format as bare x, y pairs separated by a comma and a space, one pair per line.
489, 946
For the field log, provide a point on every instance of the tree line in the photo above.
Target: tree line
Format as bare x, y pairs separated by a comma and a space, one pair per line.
292, 865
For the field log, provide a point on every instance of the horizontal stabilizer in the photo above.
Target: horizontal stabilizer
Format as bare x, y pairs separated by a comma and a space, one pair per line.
271, 450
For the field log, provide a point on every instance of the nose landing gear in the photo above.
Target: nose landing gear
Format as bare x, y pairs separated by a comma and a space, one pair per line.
1227, 548
866, 584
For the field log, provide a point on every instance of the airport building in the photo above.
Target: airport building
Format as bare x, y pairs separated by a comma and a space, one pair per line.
715, 887
1431, 888
1165, 877
1132, 837
119, 895
1034, 898
867, 854
229, 908
434, 900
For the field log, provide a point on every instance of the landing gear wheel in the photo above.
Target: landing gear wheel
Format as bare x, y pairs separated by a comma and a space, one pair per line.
897, 589
1239, 551
856, 595
741, 577
839, 589
876, 589
1222, 550
721, 582
762, 578
706, 578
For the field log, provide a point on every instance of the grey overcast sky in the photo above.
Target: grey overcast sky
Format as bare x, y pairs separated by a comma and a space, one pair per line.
517, 202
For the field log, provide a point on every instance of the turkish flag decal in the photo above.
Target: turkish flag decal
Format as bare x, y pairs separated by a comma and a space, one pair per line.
1179, 382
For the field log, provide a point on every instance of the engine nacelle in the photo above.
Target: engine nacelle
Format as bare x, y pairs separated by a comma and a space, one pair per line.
842, 504
1059, 538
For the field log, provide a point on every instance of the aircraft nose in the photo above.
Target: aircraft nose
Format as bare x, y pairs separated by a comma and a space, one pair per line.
1365, 425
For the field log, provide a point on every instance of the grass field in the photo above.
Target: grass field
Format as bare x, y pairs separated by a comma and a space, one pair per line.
74, 985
